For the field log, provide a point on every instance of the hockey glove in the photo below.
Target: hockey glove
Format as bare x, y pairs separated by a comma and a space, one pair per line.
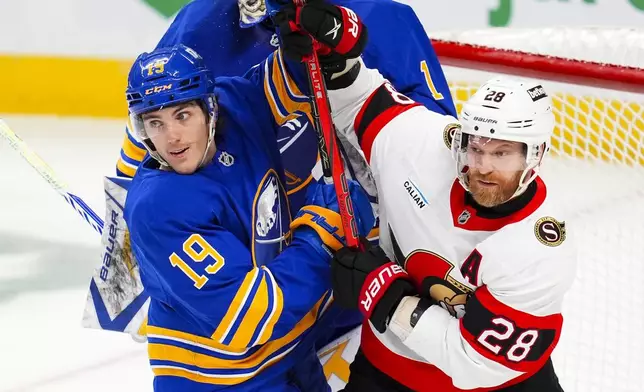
368, 280
319, 220
338, 30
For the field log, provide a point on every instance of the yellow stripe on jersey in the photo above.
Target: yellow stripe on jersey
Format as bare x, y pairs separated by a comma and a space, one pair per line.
280, 81
143, 328
125, 168
315, 217
290, 83
133, 151
301, 186
278, 115
373, 234
276, 84
278, 305
235, 306
254, 362
218, 379
188, 338
253, 317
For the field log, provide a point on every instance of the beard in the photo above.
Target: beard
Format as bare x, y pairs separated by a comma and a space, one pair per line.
492, 196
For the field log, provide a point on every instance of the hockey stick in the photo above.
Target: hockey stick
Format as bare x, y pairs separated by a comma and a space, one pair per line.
48, 174
332, 165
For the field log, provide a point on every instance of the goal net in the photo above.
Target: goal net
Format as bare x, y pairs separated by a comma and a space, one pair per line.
596, 170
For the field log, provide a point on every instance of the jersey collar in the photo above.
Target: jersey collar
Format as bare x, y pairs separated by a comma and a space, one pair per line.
467, 214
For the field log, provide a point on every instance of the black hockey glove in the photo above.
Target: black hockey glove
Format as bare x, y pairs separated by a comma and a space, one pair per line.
369, 281
338, 30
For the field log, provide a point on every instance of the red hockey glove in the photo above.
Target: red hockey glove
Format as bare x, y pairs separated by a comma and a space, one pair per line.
369, 281
338, 30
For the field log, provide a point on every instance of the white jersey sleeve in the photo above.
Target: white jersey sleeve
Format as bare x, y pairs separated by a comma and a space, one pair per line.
513, 320
386, 123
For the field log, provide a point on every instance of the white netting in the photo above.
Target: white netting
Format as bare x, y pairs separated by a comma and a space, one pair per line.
619, 46
596, 170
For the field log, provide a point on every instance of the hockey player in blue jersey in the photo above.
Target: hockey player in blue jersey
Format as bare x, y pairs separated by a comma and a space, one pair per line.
239, 290
234, 35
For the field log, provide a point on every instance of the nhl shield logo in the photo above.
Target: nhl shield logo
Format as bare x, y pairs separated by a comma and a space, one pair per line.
464, 217
226, 159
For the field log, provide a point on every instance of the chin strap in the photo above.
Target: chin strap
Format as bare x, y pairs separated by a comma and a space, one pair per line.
211, 138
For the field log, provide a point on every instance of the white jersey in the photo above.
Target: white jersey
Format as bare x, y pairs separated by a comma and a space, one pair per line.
499, 278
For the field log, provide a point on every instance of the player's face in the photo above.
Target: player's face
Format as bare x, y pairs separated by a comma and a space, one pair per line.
180, 135
495, 168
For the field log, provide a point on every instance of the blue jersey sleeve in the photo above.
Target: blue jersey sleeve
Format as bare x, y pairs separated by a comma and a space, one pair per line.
401, 50
283, 83
206, 274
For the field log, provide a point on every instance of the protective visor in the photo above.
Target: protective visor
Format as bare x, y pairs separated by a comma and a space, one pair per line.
487, 154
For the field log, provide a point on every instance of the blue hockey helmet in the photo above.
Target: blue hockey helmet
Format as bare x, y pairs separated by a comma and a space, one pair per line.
167, 77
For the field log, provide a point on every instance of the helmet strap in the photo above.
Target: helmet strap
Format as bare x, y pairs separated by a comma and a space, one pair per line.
211, 138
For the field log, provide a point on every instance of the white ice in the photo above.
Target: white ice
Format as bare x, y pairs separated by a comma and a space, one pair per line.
47, 255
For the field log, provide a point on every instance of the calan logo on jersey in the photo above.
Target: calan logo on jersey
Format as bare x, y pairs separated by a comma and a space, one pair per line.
271, 219
415, 194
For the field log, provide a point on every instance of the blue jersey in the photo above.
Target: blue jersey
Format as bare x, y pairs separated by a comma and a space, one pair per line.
231, 303
398, 47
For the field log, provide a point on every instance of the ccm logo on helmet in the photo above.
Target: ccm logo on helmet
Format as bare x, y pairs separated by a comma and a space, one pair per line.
378, 283
549, 231
537, 92
158, 89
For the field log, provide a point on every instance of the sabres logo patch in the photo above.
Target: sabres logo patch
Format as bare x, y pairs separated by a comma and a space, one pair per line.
549, 231
448, 134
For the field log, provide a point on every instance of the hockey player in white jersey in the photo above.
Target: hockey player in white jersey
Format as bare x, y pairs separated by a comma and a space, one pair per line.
485, 251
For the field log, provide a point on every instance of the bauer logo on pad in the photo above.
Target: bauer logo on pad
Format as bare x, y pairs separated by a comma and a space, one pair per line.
537, 92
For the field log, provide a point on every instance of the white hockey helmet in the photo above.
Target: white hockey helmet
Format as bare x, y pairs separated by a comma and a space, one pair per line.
511, 109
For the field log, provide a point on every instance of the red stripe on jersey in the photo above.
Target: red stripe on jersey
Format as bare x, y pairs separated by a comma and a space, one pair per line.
357, 123
382, 106
378, 124
419, 376
518, 340
474, 222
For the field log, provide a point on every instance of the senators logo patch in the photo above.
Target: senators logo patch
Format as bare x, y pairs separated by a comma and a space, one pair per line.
448, 134
549, 231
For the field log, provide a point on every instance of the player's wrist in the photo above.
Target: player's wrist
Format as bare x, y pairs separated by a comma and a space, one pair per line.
400, 321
